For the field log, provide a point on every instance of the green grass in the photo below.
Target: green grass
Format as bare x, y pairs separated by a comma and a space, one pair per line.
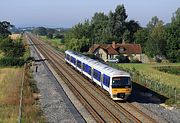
149, 71
169, 69
54, 40
56, 43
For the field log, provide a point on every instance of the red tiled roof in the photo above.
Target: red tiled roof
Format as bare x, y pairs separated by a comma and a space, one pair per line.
128, 48
112, 51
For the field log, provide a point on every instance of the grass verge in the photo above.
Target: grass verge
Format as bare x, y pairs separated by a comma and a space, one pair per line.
9, 94
56, 43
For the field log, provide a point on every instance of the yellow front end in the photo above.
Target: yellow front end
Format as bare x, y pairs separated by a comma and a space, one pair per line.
120, 93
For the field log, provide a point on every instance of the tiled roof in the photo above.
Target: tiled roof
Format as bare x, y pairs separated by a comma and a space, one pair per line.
130, 48
127, 48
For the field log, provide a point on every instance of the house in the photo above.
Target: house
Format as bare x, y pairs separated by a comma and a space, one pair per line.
108, 51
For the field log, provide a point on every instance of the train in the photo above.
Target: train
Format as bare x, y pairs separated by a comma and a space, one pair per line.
116, 82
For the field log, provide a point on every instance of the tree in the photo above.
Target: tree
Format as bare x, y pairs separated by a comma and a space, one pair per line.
4, 26
12, 48
99, 24
49, 35
156, 43
117, 22
40, 31
132, 27
154, 22
173, 38
141, 37
77, 38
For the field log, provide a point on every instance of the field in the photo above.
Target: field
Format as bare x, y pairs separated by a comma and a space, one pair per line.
56, 43
9, 94
149, 76
149, 71
10, 81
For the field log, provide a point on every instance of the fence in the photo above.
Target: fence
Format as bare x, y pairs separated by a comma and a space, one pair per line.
21, 94
170, 92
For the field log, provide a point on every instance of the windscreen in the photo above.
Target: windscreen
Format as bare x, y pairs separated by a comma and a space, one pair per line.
121, 82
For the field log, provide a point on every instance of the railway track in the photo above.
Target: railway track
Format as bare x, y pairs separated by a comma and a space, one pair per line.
110, 111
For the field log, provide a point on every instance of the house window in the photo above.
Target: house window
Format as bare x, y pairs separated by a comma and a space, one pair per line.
121, 49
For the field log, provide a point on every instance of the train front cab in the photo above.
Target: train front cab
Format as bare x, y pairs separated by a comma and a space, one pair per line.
121, 88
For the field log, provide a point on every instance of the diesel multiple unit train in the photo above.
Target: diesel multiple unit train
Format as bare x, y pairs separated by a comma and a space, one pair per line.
116, 82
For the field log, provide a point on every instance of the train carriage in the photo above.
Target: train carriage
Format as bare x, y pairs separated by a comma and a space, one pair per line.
116, 82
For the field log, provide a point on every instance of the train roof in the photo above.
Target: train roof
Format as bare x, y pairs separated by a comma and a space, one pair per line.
98, 65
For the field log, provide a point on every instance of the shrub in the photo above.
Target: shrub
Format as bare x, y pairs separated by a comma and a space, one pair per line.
135, 61
11, 61
12, 48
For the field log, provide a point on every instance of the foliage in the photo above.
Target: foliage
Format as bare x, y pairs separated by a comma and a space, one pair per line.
11, 61
156, 40
132, 27
117, 22
49, 35
101, 29
169, 69
173, 38
122, 59
99, 25
12, 48
141, 37
4, 32
40, 31
135, 61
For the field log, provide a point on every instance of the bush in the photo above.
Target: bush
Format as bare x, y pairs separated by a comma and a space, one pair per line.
12, 48
135, 61
11, 61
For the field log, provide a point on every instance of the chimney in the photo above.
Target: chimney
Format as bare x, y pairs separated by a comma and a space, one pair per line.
113, 44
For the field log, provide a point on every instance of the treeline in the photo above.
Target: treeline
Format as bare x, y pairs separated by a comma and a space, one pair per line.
102, 28
50, 32
158, 40
11, 51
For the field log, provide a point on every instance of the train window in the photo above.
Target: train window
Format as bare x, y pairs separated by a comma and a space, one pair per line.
96, 74
84, 67
87, 68
79, 64
68, 57
73, 60
121, 82
106, 80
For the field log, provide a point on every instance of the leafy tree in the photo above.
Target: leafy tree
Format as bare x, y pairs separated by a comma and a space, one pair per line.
40, 31
117, 24
12, 48
154, 22
156, 43
141, 37
132, 27
99, 24
173, 38
78, 44
49, 35
4, 26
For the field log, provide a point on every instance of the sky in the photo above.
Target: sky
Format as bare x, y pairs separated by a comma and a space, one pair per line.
66, 13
